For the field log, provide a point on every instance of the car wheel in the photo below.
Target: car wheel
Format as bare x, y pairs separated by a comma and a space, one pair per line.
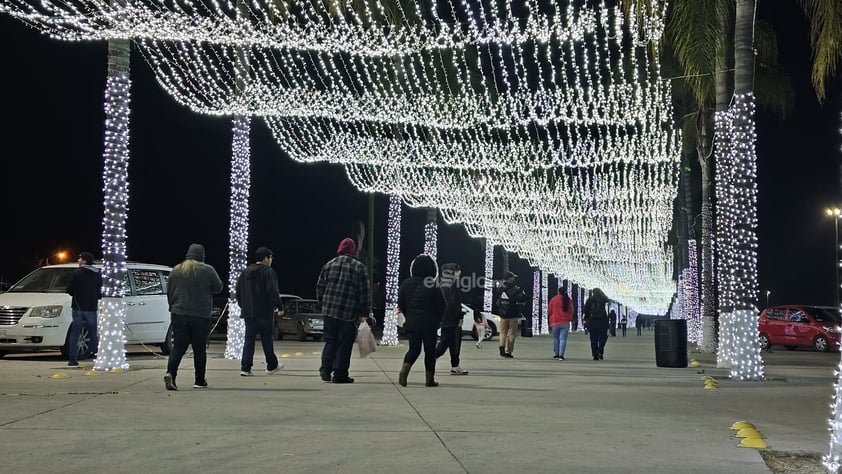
790, 348
490, 331
299, 332
81, 349
820, 343
765, 343
166, 346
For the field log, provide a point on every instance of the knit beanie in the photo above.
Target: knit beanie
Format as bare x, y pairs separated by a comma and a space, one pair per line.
347, 247
196, 252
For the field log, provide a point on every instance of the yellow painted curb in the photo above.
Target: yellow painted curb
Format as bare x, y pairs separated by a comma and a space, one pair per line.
117, 370
757, 443
749, 433
709, 386
739, 425
91, 372
695, 363
59, 375
283, 356
317, 353
299, 354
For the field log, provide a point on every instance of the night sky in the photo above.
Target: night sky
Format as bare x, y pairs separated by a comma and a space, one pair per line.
52, 96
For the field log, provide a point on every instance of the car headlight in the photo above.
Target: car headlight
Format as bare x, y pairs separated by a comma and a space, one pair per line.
831, 328
45, 312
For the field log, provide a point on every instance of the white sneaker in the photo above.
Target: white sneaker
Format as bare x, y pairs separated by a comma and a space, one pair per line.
458, 371
246, 374
276, 369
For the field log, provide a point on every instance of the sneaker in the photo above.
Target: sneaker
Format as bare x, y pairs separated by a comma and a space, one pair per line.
502, 351
246, 373
508, 355
556, 357
200, 385
169, 382
458, 371
72, 363
325, 375
560, 357
343, 380
276, 369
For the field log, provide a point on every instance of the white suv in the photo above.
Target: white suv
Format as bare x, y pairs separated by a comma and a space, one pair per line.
35, 312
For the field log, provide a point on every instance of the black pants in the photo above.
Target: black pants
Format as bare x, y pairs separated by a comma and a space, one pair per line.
339, 336
639, 330
451, 338
599, 336
255, 327
189, 331
427, 338
623, 328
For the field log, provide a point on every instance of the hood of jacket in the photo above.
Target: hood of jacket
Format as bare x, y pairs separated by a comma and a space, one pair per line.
423, 266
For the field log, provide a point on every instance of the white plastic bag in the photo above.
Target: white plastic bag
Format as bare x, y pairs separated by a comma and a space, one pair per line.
365, 340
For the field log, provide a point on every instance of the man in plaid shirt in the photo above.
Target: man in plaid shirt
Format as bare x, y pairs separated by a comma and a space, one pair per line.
344, 294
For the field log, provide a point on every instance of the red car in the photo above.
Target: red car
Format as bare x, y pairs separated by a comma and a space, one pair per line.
795, 326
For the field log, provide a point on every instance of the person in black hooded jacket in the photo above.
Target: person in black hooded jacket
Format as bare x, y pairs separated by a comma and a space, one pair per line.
451, 323
423, 305
259, 298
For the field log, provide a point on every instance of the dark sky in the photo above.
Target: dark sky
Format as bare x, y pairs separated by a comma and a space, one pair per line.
52, 96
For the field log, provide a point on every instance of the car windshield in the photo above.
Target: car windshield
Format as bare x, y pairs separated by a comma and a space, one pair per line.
44, 280
309, 307
825, 315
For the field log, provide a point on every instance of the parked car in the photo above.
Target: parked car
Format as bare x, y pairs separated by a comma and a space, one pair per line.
492, 322
301, 317
219, 313
794, 326
35, 313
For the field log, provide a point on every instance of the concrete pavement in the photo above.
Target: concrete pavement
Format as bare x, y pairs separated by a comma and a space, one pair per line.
527, 414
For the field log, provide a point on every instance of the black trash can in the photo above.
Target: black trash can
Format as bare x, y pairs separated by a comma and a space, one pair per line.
671, 342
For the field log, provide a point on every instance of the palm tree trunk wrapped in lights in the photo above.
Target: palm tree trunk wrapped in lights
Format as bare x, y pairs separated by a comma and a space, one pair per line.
393, 261
111, 355
238, 231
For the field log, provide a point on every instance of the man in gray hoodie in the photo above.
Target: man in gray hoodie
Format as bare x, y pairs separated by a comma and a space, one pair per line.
86, 289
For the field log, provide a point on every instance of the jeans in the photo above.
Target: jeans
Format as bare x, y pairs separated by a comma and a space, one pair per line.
451, 338
80, 318
560, 333
508, 333
623, 328
263, 327
339, 336
189, 331
599, 336
416, 340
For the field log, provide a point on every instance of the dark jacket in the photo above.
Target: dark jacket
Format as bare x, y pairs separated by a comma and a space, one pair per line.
257, 292
594, 313
452, 297
420, 299
86, 288
190, 292
511, 300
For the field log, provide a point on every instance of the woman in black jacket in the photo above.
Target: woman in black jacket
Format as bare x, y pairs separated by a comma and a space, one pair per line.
596, 320
422, 304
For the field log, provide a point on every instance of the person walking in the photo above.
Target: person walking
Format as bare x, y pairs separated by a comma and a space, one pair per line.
85, 288
344, 293
624, 322
451, 322
597, 321
638, 323
190, 291
259, 299
423, 305
612, 322
560, 311
509, 304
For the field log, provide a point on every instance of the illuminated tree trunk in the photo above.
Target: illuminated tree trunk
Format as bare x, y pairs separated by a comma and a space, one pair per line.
238, 231
111, 355
431, 234
393, 263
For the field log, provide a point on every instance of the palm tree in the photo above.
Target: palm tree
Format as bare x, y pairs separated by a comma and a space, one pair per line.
825, 18
115, 188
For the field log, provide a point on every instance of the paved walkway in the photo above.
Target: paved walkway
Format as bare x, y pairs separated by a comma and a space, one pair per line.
527, 414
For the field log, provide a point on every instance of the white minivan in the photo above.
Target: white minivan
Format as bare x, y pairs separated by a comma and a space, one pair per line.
35, 312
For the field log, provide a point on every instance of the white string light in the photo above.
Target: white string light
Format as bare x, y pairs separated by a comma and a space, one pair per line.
238, 231
393, 255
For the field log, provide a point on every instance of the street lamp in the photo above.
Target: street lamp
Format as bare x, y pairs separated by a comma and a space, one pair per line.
768, 292
834, 212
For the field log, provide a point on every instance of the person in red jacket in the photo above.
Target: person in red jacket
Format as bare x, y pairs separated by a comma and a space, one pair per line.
560, 312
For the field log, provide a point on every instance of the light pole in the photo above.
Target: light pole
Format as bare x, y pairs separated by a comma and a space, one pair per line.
768, 292
834, 212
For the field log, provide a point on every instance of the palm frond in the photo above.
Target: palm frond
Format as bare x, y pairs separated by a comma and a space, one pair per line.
825, 18
692, 27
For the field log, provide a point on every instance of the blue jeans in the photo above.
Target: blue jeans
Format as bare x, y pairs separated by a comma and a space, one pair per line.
253, 328
190, 331
560, 333
87, 319
339, 336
